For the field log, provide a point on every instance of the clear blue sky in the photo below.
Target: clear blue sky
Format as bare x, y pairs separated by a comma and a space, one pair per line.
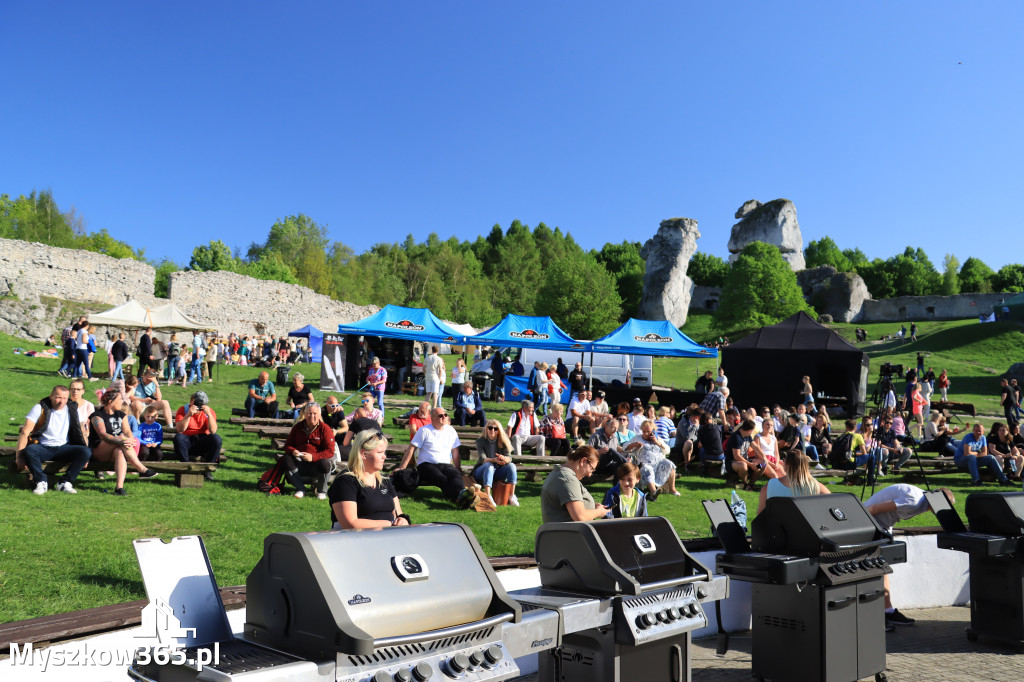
174, 123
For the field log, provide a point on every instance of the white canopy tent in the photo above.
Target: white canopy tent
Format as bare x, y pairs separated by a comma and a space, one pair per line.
134, 315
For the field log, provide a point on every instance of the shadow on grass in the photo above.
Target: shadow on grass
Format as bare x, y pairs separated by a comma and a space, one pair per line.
40, 372
135, 586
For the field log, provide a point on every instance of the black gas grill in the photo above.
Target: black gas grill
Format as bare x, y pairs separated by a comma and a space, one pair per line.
401, 604
995, 546
816, 564
628, 595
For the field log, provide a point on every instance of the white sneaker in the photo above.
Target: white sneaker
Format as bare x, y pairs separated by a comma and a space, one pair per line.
819, 466
41, 488
491, 500
299, 494
321, 496
513, 501
66, 487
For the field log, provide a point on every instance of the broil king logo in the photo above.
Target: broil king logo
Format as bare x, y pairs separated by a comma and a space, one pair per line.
405, 325
653, 338
529, 334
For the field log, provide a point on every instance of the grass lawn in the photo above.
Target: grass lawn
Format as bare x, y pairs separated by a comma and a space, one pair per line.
60, 552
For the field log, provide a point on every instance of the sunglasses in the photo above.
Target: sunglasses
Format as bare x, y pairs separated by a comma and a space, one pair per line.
442, 416
492, 428
365, 401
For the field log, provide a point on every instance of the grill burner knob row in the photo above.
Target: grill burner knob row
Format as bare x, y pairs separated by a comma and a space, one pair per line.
476, 658
422, 672
458, 663
402, 675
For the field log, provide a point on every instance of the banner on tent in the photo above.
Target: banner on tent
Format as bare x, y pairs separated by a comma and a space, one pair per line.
517, 390
332, 365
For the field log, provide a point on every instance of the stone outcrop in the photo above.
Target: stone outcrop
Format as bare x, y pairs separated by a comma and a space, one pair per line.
1016, 371
666, 287
838, 294
238, 303
773, 223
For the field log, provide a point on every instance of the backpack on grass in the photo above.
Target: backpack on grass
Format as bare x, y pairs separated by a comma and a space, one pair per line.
270, 481
841, 456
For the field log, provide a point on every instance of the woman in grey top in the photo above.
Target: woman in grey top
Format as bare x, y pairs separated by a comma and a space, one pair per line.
563, 497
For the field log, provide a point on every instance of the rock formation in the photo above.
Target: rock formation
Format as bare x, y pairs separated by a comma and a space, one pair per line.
666, 287
772, 223
839, 294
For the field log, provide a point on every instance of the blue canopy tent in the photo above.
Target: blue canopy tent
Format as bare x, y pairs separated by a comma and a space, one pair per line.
652, 337
398, 322
316, 340
522, 331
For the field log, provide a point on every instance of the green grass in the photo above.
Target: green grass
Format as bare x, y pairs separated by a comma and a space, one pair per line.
61, 553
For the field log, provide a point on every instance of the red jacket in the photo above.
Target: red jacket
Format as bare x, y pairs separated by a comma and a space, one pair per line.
319, 442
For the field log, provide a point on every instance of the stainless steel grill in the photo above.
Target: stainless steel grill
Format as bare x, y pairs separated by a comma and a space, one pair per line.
628, 595
995, 546
401, 604
817, 565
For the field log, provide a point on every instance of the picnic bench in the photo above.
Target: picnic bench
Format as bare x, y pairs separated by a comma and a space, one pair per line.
186, 474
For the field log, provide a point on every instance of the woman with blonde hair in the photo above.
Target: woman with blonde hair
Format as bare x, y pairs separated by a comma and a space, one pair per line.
459, 377
361, 497
494, 460
796, 483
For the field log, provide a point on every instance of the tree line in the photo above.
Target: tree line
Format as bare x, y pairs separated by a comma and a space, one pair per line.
518, 269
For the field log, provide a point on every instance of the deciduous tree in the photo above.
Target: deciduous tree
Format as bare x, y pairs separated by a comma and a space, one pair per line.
760, 290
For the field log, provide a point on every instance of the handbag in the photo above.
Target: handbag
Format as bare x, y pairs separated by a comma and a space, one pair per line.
558, 430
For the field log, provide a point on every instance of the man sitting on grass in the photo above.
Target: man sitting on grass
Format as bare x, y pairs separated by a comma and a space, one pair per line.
436, 447
262, 398
56, 434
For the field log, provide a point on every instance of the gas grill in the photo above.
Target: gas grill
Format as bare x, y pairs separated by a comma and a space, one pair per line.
995, 546
628, 597
403, 604
816, 564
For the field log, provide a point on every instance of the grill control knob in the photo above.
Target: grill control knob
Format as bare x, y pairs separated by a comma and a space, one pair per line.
672, 614
645, 621
476, 658
492, 654
838, 569
458, 663
381, 676
422, 672
403, 675
693, 609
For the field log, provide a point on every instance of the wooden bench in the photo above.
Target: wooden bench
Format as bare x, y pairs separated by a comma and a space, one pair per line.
186, 474
264, 421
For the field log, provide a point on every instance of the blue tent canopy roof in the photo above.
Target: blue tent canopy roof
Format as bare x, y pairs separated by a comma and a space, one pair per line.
652, 337
398, 322
522, 331
316, 340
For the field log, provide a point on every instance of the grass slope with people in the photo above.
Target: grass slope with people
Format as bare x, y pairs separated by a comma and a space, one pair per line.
62, 552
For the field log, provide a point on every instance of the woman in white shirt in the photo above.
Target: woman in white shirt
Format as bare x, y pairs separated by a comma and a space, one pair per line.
764, 451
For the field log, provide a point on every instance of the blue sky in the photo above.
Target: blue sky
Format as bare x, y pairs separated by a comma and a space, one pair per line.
171, 124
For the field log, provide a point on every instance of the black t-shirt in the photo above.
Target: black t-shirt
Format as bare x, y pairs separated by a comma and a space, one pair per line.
1006, 398
300, 397
737, 442
999, 446
376, 503
577, 380
119, 351
791, 436
710, 437
111, 422
334, 419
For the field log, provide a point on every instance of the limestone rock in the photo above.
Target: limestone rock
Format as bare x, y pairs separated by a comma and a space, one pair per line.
1016, 371
825, 319
748, 206
667, 289
840, 295
773, 223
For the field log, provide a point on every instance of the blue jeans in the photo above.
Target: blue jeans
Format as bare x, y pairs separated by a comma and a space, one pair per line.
486, 473
378, 393
970, 463
81, 358
118, 372
868, 459
194, 373
76, 456
811, 452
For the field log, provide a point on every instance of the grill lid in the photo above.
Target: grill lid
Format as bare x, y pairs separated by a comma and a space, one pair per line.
620, 556
996, 513
344, 592
815, 524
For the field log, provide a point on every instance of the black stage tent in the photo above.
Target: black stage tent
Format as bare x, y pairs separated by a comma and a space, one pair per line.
766, 367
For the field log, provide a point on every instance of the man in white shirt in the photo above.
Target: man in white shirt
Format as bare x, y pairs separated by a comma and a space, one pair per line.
897, 503
433, 375
523, 427
436, 446
635, 418
599, 410
579, 413
53, 423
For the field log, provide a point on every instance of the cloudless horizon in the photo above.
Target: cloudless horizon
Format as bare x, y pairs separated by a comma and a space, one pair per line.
173, 124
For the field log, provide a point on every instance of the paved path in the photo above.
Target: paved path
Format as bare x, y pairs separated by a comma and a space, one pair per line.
935, 649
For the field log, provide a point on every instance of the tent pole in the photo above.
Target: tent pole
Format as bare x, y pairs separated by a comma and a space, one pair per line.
590, 374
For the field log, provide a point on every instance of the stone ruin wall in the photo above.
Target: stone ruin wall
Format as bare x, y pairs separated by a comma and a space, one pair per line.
244, 305
33, 275
917, 308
